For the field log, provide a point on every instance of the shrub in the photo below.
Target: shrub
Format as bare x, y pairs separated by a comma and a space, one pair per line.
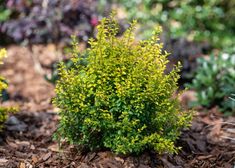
3, 110
214, 82
121, 99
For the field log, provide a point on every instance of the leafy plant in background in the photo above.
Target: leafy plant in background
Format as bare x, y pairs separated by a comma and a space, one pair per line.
4, 12
3, 110
233, 99
44, 21
121, 99
206, 20
202, 20
214, 82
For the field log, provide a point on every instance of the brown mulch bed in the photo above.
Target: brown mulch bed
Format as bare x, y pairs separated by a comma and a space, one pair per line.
27, 140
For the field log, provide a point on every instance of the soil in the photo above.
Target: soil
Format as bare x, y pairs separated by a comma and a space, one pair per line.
27, 140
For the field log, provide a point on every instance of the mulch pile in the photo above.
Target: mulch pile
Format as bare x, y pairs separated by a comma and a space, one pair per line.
27, 140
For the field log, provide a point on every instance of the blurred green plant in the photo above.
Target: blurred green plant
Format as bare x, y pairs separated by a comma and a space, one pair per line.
214, 82
201, 20
4, 12
121, 99
233, 98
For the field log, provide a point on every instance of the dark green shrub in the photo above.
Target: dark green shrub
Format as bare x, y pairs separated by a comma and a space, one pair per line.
121, 99
214, 82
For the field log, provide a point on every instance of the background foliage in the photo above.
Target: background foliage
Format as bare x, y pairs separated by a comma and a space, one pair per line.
4, 12
33, 21
203, 20
214, 82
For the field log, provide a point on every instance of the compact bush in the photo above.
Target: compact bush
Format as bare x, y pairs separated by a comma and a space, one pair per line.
3, 110
214, 82
121, 99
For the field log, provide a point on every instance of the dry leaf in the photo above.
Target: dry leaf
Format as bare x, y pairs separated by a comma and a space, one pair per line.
207, 120
119, 159
32, 147
34, 159
22, 165
54, 148
46, 156
24, 143
216, 130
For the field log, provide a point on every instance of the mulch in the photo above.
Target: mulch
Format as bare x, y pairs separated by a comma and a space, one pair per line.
27, 140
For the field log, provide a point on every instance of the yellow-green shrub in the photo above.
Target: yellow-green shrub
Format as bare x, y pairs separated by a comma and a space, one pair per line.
3, 110
3, 85
121, 99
